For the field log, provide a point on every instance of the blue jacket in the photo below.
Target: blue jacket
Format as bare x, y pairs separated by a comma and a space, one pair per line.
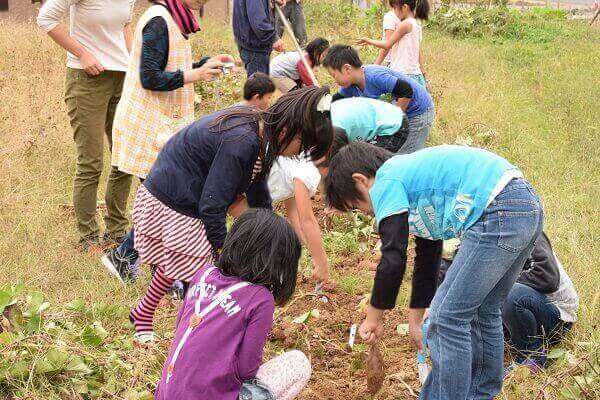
200, 172
253, 25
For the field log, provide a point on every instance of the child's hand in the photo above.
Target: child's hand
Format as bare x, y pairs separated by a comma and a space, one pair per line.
362, 41
90, 64
320, 274
415, 326
371, 331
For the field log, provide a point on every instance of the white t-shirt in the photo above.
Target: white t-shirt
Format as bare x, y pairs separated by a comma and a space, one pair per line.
285, 170
390, 22
285, 65
96, 24
405, 57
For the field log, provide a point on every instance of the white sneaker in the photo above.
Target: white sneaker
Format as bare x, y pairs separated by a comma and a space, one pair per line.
145, 338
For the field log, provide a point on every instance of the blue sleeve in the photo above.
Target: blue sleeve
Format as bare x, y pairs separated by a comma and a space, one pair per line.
388, 197
386, 82
260, 20
231, 168
155, 54
258, 195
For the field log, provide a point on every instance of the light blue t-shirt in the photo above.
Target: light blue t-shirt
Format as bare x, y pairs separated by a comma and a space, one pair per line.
445, 189
381, 80
363, 118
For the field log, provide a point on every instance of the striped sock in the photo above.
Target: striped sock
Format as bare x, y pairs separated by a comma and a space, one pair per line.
143, 314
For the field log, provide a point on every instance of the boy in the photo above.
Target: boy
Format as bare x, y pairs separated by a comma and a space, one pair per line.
370, 120
258, 91
374, 81
255, 33
437, 194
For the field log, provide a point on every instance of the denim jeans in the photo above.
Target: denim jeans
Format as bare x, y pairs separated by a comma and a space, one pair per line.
255, 389
255, 61
418, 131
419, 78
465, 333
531, 320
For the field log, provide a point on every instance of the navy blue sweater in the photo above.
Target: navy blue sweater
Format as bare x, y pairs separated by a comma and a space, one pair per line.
200, 172
253, 25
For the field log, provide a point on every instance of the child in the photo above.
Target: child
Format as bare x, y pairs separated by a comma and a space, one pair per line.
370, 120
223, 324
179, 211
258, 91
289, 72
255, 34
405, 42
374, 81
437, 194
294, 180
390, 22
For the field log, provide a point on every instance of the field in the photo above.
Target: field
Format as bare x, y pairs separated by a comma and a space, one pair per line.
523, 86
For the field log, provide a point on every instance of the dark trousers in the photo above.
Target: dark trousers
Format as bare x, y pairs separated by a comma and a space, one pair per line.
255, 61
295, 15
531, 321
394, 142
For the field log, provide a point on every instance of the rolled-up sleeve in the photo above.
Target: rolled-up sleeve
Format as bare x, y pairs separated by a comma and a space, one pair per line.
51, 14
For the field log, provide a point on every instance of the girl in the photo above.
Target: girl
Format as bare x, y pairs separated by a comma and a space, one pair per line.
436, 194
405, 42
226, 317
97, 47
294, 180
179, 211
158, 98
288, 71
390, 23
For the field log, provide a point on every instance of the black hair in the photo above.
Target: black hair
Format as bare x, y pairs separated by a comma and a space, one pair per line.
357, 157
315, 48
293, 114
258, 84
339, 55
262, 248
419, 7
340, 139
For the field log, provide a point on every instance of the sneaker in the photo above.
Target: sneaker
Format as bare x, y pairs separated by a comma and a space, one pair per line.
90, 244
177, 291
533, 365
121, 268
109, 241
145, 338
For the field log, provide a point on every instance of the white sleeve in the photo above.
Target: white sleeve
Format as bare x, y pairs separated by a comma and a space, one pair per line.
389, 21
305, 171
51, 14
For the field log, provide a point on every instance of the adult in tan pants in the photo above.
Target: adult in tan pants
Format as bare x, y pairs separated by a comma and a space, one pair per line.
98, 44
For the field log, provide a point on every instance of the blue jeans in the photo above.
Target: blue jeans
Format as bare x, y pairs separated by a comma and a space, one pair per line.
418, 131
255, 61
531, 321
419, 78
465, 333
255, 389
126, 249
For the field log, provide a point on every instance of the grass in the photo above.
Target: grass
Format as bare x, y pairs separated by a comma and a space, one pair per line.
533, 102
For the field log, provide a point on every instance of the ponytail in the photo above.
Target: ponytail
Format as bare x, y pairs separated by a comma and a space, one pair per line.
420, 8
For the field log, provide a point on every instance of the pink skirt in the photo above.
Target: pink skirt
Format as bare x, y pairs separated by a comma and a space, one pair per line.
167, 238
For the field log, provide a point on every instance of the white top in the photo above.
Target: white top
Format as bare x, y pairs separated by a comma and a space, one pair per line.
390, 22
285, 170
96, 24
405, 57
565, 298
285, 65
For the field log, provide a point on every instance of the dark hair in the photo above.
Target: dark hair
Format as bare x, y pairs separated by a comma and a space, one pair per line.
340, 55
315, 48
263, 249
419, 7
340, 139
258, 84
295, 113
357, 157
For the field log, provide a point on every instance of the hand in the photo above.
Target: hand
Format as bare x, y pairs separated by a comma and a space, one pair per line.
320, 274
415, 327
371, 331
90, 64
279, 46
280, 3
208, 72
362, 41
223, 58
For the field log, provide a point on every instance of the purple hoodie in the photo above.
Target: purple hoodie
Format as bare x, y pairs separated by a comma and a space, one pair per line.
224, 348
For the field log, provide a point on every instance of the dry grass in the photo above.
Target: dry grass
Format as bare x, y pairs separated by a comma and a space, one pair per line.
537, 105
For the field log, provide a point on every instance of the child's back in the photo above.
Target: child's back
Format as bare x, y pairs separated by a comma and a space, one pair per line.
405, 54
211, 356
285, 65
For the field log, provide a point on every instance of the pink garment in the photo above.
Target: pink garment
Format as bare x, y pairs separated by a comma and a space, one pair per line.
405, 57
286, 375
390, 22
